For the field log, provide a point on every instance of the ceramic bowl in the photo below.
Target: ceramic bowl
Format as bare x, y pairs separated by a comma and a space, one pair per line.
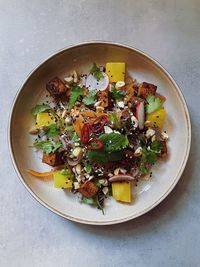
165, 173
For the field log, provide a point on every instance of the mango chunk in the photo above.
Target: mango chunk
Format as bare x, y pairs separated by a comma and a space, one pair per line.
115, 71
61, 181
121, 191
44, 119
157, 118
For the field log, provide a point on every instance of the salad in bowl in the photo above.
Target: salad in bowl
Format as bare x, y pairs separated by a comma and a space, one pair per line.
101, 132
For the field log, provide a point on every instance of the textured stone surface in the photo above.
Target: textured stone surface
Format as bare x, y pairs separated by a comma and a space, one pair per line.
30, 235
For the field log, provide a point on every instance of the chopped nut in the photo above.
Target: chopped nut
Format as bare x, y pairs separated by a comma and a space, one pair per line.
153, 138
164, 136
76, 185
147, 123
98, 103
69, 80
64, 113
99, 108
75, 76
116, 171
138, 152
110, 174
104, 182
119, 84
34, 130
149, 133
78, 169
107, 129
105, 190
77, 151
68, 121
120, 104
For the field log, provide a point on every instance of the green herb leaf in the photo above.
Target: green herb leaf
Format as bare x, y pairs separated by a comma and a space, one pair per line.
154, 103
76, 92
96, 72
47, 146
102, 157
90, 201
114, 141
149, 156
156, 146
143, 169
39, 108
114, 120
117, 94
87, 167
52, 130
91, 98
75, 138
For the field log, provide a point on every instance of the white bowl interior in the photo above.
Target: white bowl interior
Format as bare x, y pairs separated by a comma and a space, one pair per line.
165, 173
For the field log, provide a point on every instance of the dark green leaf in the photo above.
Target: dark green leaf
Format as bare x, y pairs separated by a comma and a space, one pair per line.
47, 146
75, 138
114, 120
52, 130
154, 103
114, 141
91, 98
117, 94
39, 108
96, 72
90, 201
76, 92
143, 169
156, 146
87, 167
102, 157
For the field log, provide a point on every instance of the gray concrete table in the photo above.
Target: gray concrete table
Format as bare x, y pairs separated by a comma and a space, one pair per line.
169, 235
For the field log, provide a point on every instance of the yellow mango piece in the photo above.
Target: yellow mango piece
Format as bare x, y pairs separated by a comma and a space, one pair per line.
121, 191
157, 118
61, 181
115, 71
44, 119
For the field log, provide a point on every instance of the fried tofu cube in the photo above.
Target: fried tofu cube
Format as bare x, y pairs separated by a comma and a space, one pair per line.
105, 98
53, 159
56, 88
61, 181
115, 71
44, 119
88, 189
146, 89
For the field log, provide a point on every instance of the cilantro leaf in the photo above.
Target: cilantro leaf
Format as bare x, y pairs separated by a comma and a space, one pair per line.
47, 146
156, 146
114, 141
39, 108
102, 157
91, 98
76, 92
95, 71
52, 130
87, 168
154, 103
75, 138
114, 120
90, 201
117, 94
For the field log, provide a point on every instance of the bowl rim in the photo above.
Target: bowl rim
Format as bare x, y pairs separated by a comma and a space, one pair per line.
122, 219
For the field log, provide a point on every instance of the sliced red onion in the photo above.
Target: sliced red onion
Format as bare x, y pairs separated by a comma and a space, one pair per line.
140, 114
121, 177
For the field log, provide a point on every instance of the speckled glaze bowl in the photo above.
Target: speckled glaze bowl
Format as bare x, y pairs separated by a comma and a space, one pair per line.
165, 173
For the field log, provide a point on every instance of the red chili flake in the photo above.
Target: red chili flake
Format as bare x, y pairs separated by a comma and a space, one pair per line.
85, 133
97, 124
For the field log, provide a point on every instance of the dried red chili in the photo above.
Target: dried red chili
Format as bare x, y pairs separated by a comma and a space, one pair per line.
97, 125
95, 144
85, 133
